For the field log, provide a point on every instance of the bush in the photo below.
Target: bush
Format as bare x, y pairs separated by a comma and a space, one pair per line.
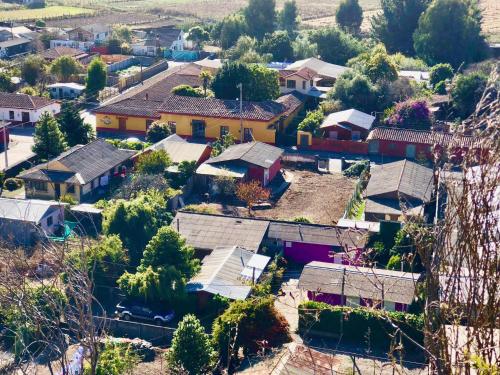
439, 73
357, 168
312, 122
12, 184
66, 198
411, 114
155, 162
360, 324
440, 88
301, 219
158, 131
200, 209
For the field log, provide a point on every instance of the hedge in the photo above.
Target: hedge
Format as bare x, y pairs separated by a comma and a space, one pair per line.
360, 325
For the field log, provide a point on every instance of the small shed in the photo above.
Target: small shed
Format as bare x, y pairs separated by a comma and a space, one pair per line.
350, 124
68, 90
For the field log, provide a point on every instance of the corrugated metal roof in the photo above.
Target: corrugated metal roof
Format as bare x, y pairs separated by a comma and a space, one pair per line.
351, 116
235, 171
256, 153
405, 177
28, 210
223, 273
206, 232
362, 282
180, 150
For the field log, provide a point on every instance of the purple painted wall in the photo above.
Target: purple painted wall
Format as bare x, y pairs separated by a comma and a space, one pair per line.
307, 252
337, 300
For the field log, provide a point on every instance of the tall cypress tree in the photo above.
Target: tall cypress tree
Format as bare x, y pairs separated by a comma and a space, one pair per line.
73, 127
49, 140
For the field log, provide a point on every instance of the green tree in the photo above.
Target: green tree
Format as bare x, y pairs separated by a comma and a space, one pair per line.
206, 77
349, 16
186, 90
336, 46
304, 48
255, 319
439, 73
191, 349
75, 130
355, 90
136, 221
123, 33
289, 17
115, 359
260, 17
33, 69
48, 138
64, 68
168, 263
6, 84
312, 121
259, 82
450, 32
376, 64
154, 162
233, 27
221, 144
279, 45
411, 114
198, 35
96, 77
466, 92
158, 131
40, 23
114, 46
395, 25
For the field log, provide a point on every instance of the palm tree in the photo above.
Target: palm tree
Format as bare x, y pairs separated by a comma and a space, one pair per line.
206, 76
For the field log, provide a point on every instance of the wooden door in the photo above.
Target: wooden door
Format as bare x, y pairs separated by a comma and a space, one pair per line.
122, 124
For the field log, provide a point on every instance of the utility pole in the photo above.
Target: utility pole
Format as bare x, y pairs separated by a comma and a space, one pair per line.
5, 145
240, 86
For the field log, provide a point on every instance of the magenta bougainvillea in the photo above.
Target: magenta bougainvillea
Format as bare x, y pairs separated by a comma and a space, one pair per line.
411, 114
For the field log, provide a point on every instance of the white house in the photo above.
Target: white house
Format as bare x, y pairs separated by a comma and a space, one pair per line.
69, 90
22, 108
84, 46
91, 33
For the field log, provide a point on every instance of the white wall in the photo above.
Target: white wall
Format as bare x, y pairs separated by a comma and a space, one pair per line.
53, 108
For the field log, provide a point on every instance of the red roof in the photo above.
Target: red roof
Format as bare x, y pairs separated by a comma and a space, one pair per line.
23, 101
421, 137
305, 73
54, 53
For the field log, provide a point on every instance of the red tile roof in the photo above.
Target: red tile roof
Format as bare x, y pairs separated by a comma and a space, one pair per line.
421, 137
291, 101
23, 101
132, 107
256, 111
305, 73
54, 53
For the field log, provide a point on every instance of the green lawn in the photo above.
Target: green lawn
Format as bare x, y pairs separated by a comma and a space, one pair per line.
50, 12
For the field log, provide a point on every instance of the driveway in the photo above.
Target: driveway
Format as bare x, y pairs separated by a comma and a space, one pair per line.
288, 303
21, 141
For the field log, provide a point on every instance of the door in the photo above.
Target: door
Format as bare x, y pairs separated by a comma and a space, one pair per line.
122, 124
61, 93
411, 151
247, 135
333, 134
304, 140
25, 117
57, 191
198, 129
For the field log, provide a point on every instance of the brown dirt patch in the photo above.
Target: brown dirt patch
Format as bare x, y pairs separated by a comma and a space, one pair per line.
321, 198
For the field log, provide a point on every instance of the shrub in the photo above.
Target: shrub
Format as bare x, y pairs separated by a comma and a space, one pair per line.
312, 122
115, 359
66, 198
256, 319
411, 114
12, 184
301, 219
439, 73
357, 168
158, 131
440, 88
200, 209
360, 323
155, 162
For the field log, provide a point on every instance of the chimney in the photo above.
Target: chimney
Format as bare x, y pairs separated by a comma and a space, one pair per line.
147, 96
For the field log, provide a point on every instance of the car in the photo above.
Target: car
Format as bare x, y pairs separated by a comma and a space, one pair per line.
128, 310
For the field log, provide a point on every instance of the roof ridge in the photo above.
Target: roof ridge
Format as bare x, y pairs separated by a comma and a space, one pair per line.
226, 258
401, 174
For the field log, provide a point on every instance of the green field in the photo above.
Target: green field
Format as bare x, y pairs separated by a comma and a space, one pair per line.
47, 13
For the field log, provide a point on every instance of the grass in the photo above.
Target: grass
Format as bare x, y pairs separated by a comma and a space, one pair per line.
47, 13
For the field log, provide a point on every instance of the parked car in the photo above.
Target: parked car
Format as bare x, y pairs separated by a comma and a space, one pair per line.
128, 310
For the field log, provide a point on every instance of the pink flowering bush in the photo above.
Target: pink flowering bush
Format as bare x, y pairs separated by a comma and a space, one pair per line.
411, 114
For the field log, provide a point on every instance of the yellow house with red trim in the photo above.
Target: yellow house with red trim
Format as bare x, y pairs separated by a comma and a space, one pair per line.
203, 118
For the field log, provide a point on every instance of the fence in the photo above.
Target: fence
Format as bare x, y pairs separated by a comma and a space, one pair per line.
333, 145
157, 335
299, 158
126, 82
356, 197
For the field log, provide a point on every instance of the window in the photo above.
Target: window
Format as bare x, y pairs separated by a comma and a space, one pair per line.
39, 185
148, 123
282, 82
356, 135
70, 189
247, 135
50, 221
291, 84
303, 85
11, 115
224, 130
311, 83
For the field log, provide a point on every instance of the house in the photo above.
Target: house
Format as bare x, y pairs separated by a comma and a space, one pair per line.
245, 161
410, 144
13, 47
82, 172
206, 232
415, 75
350, 124
91, 33
7, 32
395, 185
22, 108
68, 90
52, 54
312, 77
198, 118
343, 285
27, 221
229, 272
157, 38
304, 243
83, 46
181, 150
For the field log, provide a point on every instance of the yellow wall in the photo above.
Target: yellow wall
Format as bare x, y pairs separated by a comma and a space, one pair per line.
212, 127
300, 133
134, 124
50, 193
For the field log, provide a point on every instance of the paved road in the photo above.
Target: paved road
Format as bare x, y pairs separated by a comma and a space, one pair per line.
21, 141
